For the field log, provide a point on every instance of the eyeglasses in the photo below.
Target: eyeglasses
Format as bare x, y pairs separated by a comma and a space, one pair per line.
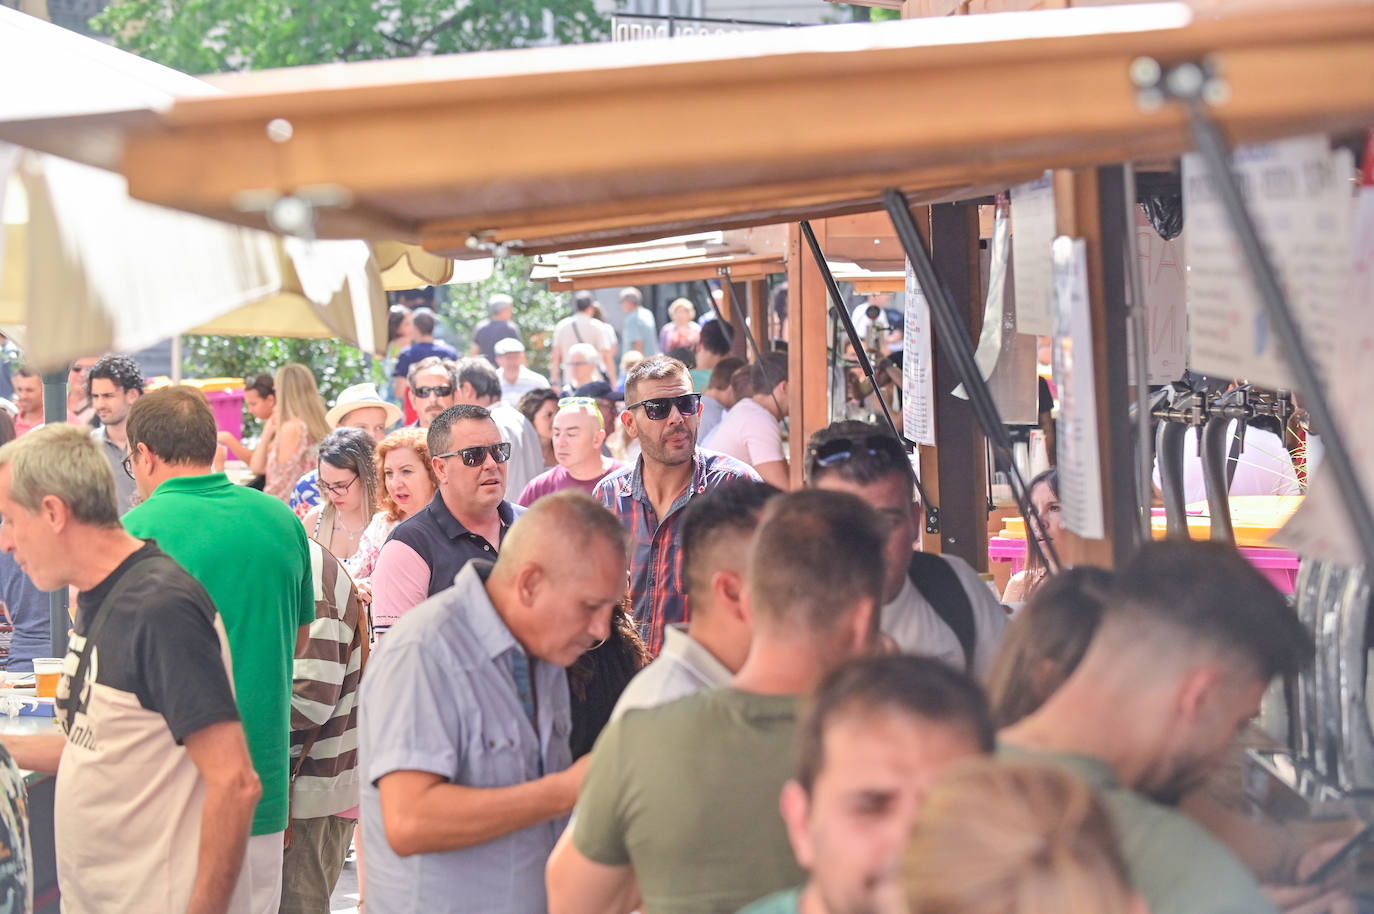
659, 407
477, 455
338, 489
128, 466
577, 401
839, 450
424, 393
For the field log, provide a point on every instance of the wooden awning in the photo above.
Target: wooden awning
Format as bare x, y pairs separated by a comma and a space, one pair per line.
552, 148
739, 255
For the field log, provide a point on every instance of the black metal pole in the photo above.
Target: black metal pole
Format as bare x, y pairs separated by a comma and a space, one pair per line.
1215, 152
55, 410
865, 364
958, 348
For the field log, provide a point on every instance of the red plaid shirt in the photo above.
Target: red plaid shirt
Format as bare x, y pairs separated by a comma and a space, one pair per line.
656, 587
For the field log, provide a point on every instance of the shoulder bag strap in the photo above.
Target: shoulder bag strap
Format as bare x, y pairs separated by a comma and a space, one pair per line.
938, 582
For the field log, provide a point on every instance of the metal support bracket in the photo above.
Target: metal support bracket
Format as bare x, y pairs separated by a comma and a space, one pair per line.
958, 348
866, 366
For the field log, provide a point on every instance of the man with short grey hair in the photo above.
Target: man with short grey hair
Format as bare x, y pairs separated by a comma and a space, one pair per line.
468, 774
517, 378
638, 333
499, 326
155, 787
432, 383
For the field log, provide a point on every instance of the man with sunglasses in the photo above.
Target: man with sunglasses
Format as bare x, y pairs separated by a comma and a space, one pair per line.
933, 605
433, 381
662, 414
480, 385
467, 519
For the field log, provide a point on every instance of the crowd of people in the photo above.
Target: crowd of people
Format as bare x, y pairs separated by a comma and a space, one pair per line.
519, 669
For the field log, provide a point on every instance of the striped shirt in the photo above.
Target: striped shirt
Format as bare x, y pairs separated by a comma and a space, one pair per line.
656, 586
324, 694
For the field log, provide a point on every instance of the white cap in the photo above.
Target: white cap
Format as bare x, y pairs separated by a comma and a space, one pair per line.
507, 345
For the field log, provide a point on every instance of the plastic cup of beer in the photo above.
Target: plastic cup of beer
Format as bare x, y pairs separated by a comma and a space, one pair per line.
46, 672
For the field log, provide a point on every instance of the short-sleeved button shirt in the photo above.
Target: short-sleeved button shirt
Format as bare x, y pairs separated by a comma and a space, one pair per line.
656, 586
439, 697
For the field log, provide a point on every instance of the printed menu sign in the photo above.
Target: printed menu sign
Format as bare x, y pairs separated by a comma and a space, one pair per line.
918, 378
1032, 235
1301, 211
1080, 472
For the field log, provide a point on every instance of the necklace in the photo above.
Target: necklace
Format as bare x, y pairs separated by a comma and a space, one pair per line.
349, 531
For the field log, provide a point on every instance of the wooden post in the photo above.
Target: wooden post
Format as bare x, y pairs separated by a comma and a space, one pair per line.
1090, 204
760, 314
961, 457
807, 309
734, 314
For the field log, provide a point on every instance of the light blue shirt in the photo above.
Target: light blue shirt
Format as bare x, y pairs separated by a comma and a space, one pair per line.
639, 328
439, 697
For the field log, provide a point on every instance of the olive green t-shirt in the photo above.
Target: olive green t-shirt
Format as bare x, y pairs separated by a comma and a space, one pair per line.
687, 794
248, 551
1176, 865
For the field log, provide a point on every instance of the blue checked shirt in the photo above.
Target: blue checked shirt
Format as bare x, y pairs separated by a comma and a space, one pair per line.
656, 587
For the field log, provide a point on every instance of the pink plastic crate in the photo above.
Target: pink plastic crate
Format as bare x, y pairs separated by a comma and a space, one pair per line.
228, 407
1278, 565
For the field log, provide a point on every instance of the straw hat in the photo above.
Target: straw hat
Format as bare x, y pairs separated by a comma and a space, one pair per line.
357, 397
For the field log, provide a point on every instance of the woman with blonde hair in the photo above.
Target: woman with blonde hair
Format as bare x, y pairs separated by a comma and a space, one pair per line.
290, 437
407, 485
681, 332
1015, 838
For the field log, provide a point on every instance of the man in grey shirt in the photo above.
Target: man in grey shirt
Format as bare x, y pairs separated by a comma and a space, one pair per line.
464, 718
113, 384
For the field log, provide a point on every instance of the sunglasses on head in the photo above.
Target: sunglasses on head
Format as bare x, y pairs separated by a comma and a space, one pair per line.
477, 455
659, 407
839, 450
443, 390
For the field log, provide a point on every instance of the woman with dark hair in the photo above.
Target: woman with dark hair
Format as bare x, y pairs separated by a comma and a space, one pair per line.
1043, 496
539, 406
348, 483
1046, 641
598, 677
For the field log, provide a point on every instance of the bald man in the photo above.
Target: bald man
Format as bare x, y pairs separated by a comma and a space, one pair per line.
464, 719
578, 434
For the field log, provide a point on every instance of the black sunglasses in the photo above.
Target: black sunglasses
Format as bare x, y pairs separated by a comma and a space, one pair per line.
838, 450
445, 390
128, 466
477, 455
659, 407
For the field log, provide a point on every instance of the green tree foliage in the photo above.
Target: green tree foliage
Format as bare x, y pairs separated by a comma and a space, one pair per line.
536, 309
218, 36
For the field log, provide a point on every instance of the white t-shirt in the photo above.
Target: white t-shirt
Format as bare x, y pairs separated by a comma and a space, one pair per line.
749, 433
1264, 467
582, 328
912, 623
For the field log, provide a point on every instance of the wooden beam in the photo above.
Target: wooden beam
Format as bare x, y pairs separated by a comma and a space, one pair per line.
808, 357
734, 313
961, 454
1088, 205
760, 313
1055, 100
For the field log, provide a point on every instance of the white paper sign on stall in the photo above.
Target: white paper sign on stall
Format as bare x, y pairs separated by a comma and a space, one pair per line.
1164, 280
1321, 527
1032, 236
1079, 462
1300, 210
918, 370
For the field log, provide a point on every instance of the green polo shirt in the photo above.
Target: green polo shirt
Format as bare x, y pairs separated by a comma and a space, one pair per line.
1176, 865
249, 552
